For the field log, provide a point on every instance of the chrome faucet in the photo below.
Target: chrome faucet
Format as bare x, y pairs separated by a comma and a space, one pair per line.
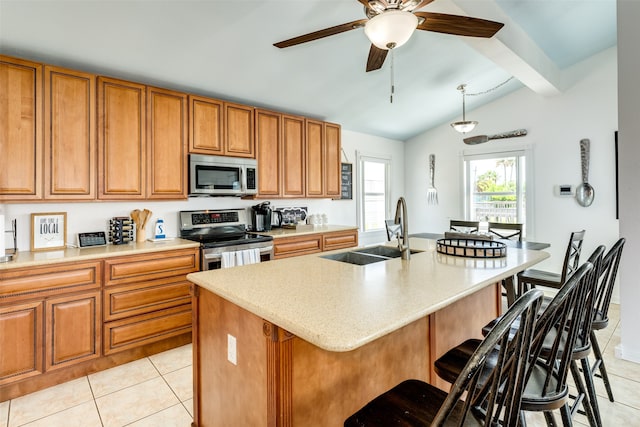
403, 246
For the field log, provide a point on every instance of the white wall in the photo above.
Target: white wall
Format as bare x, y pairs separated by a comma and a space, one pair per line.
629, 105
555, 126
94, 216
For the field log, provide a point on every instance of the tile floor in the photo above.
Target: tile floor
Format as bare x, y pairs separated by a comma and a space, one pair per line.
157, 391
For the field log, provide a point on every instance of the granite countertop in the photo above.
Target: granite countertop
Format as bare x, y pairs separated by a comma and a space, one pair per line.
339, 306
31, 259
313, 229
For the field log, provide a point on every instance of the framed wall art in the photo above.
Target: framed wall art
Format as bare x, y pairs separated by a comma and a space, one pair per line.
48, 231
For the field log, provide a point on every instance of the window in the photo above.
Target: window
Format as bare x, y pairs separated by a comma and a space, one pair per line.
495, 187
374, 194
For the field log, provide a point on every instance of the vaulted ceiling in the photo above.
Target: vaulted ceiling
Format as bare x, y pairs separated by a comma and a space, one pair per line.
224, 48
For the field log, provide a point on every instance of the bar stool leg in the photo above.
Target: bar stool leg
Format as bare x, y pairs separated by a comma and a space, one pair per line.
598, 366
583, 397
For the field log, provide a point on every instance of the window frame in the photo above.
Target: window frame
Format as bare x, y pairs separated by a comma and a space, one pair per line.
378, 158
524, 151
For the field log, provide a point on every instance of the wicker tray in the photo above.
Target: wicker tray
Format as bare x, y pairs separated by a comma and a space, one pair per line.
471, 248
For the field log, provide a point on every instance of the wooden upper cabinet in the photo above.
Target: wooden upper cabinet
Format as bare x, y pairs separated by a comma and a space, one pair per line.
206, 125
239, 137
268, 126
20, 129
167, 144
121, 139
332, 155
315, 158
293, 156
69, 134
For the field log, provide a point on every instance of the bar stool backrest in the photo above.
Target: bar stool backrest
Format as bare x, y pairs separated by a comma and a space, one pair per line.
606, 282
505, 383
552, 350
464, 226
572, 255
505, 230
586, 316
392, 229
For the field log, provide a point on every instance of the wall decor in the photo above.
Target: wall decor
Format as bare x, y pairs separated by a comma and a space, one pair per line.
48, 231
346, 172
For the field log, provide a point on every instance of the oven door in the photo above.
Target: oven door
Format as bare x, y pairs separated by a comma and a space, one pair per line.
212, 258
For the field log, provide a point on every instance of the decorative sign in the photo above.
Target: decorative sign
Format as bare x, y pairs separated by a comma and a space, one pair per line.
48, 231
346, 190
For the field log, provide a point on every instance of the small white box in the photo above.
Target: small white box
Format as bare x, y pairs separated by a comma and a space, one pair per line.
564, 190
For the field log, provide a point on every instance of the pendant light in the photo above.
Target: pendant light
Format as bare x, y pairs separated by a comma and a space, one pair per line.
465, 125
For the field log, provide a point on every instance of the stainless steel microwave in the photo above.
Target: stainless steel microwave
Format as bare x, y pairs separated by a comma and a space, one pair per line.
222, 176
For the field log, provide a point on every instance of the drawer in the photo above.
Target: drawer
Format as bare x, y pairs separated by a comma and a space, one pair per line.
136, 331
123, 270
339, 240
140, 298
21, 283
295, 246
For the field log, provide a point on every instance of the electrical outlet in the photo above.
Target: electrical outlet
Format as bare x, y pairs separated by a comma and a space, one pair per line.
232, 355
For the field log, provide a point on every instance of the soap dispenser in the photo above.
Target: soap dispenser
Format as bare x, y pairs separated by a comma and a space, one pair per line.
160, 229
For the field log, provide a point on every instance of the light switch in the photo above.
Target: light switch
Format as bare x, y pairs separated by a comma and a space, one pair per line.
232, 354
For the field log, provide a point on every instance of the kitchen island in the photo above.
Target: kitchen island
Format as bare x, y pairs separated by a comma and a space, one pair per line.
308, 340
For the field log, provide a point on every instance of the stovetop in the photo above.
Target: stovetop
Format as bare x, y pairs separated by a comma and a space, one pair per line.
218, 228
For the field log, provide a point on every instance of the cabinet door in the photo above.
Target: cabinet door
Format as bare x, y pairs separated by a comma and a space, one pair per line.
21, 341
268, 148
121, 139
315, 158
69, 134
293, 156
167, 144
72, 329
332, 152
239, 138
20, 129
206, 125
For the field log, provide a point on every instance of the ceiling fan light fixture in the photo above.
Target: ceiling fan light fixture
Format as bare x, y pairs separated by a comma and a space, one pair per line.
391, 29
464, 125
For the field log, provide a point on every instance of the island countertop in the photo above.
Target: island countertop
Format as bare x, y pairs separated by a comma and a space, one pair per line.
340, 307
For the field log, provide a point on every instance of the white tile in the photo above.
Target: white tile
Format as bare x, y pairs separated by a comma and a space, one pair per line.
83, 415
175, 416
173, 359
49, 401
136, 402
4, 413
181, 382
122, 376
189, 405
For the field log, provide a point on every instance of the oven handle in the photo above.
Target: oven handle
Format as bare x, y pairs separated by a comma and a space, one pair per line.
219, 255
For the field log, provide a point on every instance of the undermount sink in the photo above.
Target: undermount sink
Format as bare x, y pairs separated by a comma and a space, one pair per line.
355, 258
368, 255
385, 251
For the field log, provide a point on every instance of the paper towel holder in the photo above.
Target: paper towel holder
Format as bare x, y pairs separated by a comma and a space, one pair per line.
11, 252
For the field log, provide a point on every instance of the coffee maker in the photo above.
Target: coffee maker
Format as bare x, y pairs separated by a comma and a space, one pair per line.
261, 216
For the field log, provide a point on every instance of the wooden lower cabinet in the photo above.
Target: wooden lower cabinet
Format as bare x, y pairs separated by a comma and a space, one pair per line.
61, 321
284, 247
21, 332
72, 325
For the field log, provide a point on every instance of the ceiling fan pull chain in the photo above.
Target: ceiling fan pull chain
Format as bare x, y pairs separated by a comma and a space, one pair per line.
392, 85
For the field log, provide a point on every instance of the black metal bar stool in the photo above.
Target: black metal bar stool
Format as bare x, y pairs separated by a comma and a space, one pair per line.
493, 390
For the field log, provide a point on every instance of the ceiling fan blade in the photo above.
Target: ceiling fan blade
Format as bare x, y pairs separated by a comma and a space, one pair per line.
321, 33
458, 25
376, 58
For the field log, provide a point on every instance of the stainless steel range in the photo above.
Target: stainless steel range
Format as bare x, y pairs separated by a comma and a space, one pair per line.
220, 231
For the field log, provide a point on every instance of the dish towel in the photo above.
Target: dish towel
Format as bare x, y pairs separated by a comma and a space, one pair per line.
238, 258
228, 259
248, 256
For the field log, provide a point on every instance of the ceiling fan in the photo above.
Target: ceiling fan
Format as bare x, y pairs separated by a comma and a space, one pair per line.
390, 24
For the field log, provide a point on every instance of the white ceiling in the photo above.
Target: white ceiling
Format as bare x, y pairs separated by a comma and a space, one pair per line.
224, 48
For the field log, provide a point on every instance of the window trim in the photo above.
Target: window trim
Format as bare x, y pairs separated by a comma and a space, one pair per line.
525, 150
380, 158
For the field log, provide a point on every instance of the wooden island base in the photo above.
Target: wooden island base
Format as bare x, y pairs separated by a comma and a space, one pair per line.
282, 380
